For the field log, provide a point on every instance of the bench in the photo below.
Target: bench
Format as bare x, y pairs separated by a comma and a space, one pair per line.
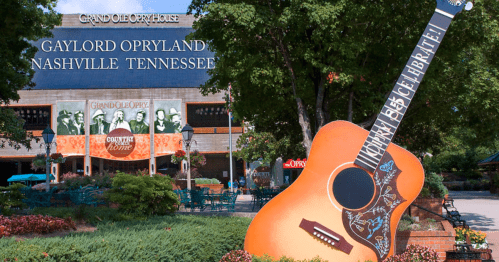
452, 214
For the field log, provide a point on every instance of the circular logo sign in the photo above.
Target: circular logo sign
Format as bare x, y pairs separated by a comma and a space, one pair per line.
120, 142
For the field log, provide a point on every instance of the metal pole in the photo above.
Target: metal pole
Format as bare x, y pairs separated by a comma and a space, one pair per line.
230, 151
188, 147
47, 168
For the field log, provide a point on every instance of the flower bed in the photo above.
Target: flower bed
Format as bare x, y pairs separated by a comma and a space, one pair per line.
19, 225
440, 241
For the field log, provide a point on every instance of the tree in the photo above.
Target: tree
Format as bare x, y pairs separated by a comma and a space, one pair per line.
21, 22
263, 146
296, 65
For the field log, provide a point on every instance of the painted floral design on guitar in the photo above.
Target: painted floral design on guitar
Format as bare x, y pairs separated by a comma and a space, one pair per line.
371, 224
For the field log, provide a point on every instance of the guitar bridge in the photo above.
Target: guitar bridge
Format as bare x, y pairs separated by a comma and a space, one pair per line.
326, 235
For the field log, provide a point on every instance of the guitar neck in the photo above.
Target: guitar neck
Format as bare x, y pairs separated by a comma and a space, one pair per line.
393, 111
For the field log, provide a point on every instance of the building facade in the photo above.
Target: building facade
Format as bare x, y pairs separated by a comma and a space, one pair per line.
117, 89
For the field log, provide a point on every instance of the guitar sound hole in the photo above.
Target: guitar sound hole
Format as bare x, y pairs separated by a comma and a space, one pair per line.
353, 188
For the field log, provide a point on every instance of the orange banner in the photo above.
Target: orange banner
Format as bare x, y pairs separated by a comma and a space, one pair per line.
71, 145
141, 151
167, 144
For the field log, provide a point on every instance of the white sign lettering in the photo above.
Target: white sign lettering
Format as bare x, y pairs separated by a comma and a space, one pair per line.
128, 18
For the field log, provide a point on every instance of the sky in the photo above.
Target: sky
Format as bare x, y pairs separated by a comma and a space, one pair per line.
122, 6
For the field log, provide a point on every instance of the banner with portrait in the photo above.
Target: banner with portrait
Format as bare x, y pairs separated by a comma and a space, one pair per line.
71, 128
167, 126
119, 129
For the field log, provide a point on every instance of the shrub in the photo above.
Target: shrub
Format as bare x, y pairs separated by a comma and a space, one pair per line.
161, 238
69, 175
467, 186
206, 181
19, 225
236, 256
434, 186
92, 215
143, 194
415, 253
72, 182
11, 198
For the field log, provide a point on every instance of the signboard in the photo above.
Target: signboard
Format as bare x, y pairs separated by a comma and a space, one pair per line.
128, 18
71, 128
118, 58
295, 163
167, 126
119, 129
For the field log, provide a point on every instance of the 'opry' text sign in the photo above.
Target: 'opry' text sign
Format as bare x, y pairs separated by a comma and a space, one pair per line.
295, 163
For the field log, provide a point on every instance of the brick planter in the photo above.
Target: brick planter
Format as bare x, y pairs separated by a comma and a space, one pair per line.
433, 204
215, 187
440, 241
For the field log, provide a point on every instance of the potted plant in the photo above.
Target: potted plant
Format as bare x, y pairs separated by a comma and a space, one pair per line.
197, 160
211, 183
40, 160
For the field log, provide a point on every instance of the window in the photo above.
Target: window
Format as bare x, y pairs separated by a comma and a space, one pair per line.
35, 117
208, 115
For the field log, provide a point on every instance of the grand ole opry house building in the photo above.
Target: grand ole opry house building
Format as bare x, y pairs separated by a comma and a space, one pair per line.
117, 89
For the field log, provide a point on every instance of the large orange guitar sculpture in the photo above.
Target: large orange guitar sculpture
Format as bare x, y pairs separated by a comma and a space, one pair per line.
347, 202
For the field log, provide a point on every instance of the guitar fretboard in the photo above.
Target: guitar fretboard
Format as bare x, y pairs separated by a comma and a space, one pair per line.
393, 111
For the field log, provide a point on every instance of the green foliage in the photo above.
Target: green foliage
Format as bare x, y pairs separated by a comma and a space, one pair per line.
277, 54
143, 194
495, 179
206, 181
159, 238
404, 225
22, 22
97, 180
263, 146
433, 186
459, 153
92, 215
11, 198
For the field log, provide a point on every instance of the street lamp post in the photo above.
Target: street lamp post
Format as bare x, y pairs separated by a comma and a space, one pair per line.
48, 136
187, 133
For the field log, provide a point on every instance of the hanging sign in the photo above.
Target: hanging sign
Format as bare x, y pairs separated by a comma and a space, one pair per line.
295, 163
120, 142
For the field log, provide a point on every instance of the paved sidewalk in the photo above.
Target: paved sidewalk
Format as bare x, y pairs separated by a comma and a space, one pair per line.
480, 209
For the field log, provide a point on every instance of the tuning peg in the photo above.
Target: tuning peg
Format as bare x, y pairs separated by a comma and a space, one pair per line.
468, 6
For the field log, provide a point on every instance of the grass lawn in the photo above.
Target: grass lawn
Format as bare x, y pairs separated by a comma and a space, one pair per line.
157, 238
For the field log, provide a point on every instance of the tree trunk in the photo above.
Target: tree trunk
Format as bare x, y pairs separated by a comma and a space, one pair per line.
319, 106
303, 117
304, 121
350, 107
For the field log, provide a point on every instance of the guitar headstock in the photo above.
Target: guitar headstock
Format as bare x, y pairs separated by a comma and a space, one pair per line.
451, 6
